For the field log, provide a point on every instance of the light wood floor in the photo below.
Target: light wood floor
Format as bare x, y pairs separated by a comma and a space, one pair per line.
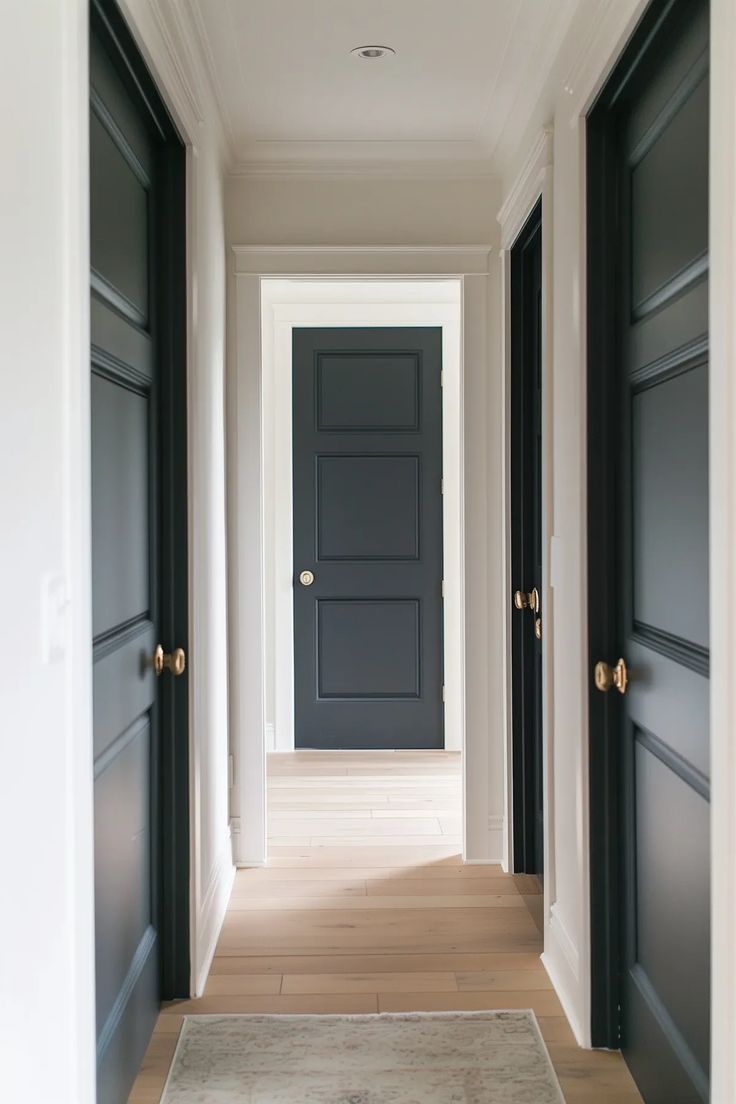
365, 906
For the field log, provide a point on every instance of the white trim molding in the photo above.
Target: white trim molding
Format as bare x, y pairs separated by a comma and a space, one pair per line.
722, 295
387, 160
284, 305
562, 963
533, 183
362, 261
166, 38
212, 912
526, 189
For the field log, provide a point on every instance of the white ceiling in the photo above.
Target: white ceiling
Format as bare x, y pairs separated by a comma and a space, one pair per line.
292, 93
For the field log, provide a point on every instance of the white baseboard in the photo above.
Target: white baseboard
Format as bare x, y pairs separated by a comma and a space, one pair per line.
212, 914
238, 859
561, 961
496, 837
270, 738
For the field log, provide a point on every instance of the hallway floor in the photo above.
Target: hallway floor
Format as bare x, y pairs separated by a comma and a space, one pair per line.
366, 906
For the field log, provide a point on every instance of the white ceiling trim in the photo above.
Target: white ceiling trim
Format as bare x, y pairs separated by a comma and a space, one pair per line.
444, 159
526, 189
194, 18
372, 170
362, 260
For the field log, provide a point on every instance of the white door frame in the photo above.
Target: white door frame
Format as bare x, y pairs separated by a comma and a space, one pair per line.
289, 303
256, 347
533, 183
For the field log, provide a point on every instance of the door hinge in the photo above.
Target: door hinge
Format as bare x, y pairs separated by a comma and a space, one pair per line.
443, 692
442, 485
442, 377
230, 772
442, 587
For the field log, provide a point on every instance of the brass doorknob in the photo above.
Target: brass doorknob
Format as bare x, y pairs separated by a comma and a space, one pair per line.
607, 677
175, 661
306, 578
527, 600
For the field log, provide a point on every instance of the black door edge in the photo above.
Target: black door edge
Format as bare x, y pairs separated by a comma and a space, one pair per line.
170, 292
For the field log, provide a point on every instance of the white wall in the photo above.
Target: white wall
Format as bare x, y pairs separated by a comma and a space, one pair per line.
45, 635
46, 826
169, 41
360, 211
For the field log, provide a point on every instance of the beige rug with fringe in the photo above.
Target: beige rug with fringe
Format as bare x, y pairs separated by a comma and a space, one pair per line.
391, 1058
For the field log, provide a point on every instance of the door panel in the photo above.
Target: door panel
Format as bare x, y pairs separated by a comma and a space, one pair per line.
120, 507
125, 574
670, 507
650, 138
367, 416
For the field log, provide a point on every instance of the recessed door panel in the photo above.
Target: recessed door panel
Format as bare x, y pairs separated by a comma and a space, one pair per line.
368, 507
368, 649
120, 505
673, 913
359, 391
122, 859
658, 256
670, 510
367, 431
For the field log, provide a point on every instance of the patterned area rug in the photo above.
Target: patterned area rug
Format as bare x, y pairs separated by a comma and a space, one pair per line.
403, 1058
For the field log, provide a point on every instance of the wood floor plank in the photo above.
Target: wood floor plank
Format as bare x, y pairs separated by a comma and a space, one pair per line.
381, 963
508, 980
542, 1001
413, 982
335, 888
375, 901
242, 985
439, 886
320, 1003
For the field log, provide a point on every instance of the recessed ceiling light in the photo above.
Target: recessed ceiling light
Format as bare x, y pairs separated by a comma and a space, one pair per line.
371, 53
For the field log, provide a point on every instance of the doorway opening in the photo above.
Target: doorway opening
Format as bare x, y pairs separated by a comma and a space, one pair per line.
362, 540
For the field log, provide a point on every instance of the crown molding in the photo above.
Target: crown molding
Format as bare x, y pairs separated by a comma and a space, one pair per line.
448, 159
370, 170
197, 25
361, 260
527, 188
182, 67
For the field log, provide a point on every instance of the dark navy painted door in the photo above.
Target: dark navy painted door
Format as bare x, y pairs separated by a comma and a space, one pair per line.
659, 170
124, 580
367, 431
526, 544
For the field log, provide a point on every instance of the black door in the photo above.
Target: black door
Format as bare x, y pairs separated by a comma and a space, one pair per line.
138, 555
526, 544
367, 417
648, 143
